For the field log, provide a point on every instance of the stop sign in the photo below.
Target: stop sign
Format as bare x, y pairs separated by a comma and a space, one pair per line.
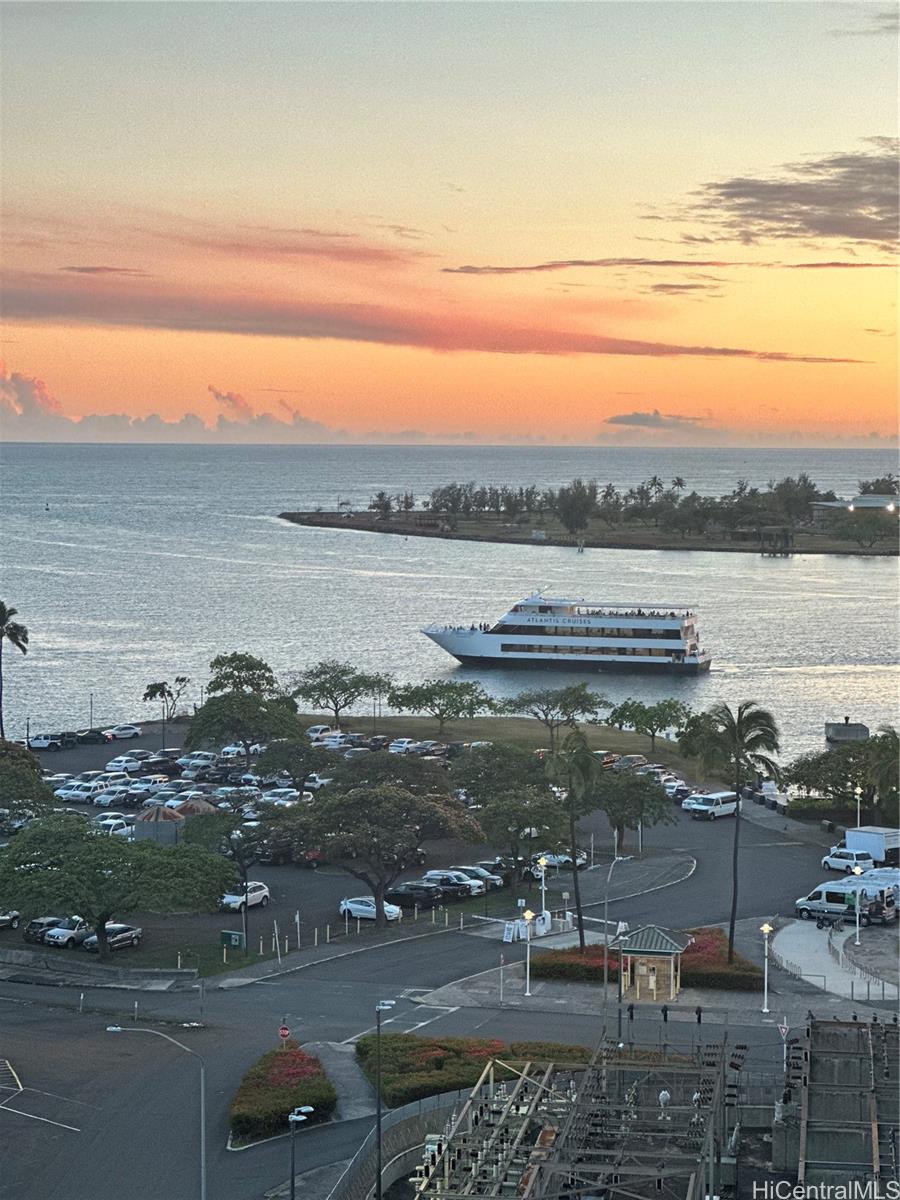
284, 1033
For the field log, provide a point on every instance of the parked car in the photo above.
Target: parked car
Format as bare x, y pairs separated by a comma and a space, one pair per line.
69, 933
414, 895
236, 900
107, 816
401, 745
456, 880
130, 761
491, 881
378, 741
117, 938
355, 752
120, 828
846, 860
37, 929
9, 917
629, 761
118, 732
318, 731
92, 737
58, 778
280, 796
558, 858
50, 741
363, 908
207, 757
429, 746
70, 790
315, 781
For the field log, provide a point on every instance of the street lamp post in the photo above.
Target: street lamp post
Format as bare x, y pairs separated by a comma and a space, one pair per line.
295, 1118
91, 711
529, 917
380, 1007
857, 871
765, 930
542, 863
858, 793
612, 867
187, 1050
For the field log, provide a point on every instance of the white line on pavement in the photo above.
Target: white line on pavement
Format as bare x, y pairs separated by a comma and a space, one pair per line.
46, 1120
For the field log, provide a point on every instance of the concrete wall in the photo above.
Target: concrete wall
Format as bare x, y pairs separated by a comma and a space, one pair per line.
65, 962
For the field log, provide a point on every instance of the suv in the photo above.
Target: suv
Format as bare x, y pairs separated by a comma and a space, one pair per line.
490, 880
416, 894
448, 879
36, 930
49, 741
846, 860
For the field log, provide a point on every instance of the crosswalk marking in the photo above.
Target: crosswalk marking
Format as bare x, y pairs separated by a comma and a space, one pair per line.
9, 1080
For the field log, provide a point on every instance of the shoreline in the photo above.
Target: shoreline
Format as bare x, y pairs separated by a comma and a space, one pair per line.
648, 539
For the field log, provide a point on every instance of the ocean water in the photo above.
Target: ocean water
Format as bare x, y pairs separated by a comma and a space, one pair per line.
134, 563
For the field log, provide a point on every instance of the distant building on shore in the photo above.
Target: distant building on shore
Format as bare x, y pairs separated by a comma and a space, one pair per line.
823, 509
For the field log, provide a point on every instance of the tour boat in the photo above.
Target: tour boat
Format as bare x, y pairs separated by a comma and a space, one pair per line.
545, 631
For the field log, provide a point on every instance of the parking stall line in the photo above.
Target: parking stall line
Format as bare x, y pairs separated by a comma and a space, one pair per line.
7, 1072
4, 1105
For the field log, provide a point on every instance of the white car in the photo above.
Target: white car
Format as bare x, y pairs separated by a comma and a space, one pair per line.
110, 826
113, 795
402, 745
198, 758
71, 790
846, 860
556, 859
148, 785
123, 731
315, 781
320, 731
257, 893
363, 908
279, 796
45, 741
128, 762
229, 753
102, 818
57, 780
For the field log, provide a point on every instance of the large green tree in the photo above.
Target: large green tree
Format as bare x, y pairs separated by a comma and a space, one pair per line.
654, 719
524, 819
63, 865
489, 771
22, 788
373, 833
246, 718
444, 699
741, 743
16, 634
241, 672
294, 757
630, 801
334, 686
226, 832
557, 708
576, 503
406, 771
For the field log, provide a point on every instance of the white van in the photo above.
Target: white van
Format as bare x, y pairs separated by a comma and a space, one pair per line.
712, 805
835, 899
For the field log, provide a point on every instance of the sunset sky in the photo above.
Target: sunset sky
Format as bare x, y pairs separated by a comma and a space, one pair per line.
614, 222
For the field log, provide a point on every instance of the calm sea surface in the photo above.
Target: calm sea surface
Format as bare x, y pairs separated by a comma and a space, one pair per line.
149, 560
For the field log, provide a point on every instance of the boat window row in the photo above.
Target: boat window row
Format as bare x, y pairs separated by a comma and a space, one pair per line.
581, 651
580, 631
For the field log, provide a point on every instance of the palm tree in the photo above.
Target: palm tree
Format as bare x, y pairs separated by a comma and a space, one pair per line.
678, 484
741, 743
16, 635
881, 767
574, 770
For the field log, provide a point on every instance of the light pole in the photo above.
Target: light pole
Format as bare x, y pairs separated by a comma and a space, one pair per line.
612, 867
529, 917
91, 711
765, 930
857, 871
380, 1007
542, 863
163, 743
187, 1050
858, 793
295, 1118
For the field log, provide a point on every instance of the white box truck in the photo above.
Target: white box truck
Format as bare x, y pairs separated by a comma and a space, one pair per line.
882, 843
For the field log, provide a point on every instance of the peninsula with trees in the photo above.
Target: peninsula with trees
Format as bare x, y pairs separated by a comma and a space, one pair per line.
792, 515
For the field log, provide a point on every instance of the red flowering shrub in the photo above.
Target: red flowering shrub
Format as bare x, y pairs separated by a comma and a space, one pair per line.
279, 1082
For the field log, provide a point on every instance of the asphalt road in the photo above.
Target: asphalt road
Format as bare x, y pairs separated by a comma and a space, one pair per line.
113, 1115
118, 1112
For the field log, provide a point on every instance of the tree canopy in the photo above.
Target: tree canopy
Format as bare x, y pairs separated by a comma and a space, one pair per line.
333, 686
523, 820
444, 699
22, 787
557, 708
241, 672
16, 634
246, 718
62, 865
374, 833
406, 771
167, 693
489, 771
631, 800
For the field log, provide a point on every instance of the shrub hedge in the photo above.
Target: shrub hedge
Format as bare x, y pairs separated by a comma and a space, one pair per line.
413, 1067
703, 965
277, 1083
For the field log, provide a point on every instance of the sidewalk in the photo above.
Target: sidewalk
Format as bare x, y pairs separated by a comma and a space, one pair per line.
803, 831
807, 952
